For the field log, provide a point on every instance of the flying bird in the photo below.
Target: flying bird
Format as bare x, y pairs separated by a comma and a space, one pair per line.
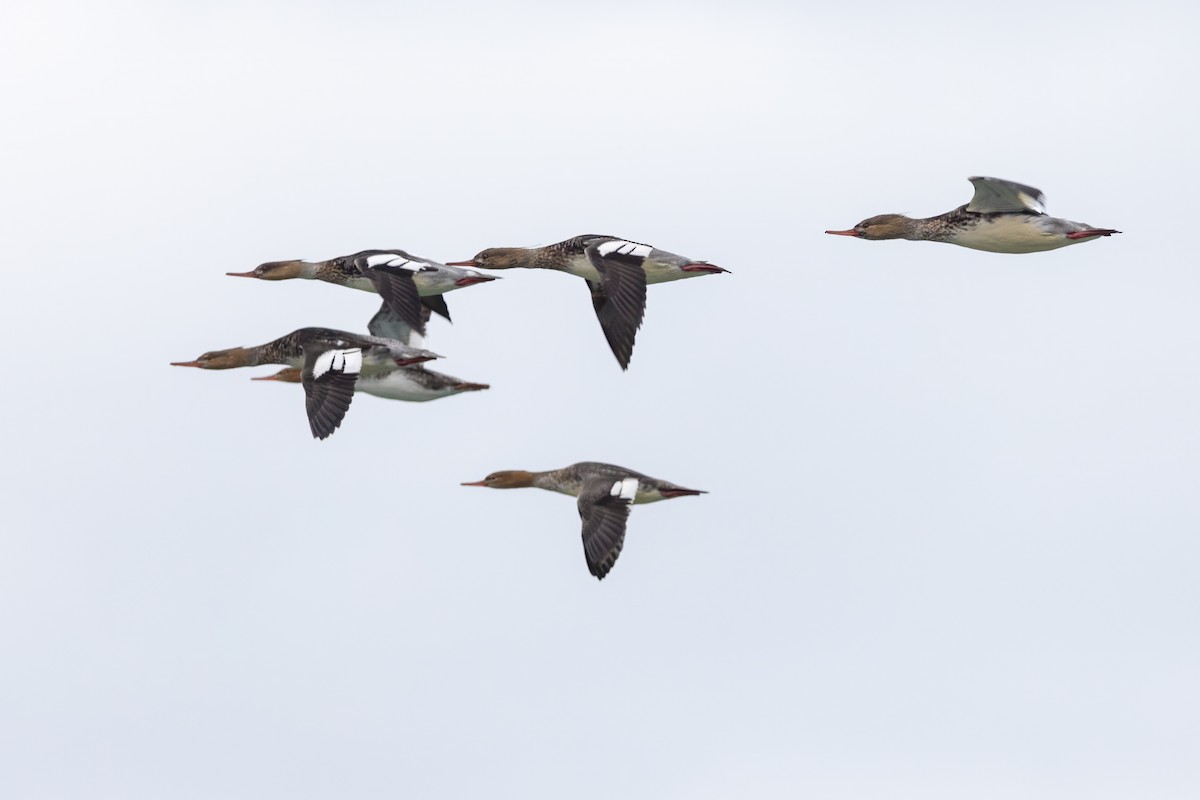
1002, 217
412, 384
605, 494
617, 272
330, 362
406, 282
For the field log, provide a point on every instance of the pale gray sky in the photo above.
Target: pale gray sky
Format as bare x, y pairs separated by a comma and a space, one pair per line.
951, 543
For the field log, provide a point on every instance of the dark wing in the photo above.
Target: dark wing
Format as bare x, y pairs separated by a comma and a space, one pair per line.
604, 516
400, 293
620, 297
995, 195
437, 304
387, 325
391, 273
328, 378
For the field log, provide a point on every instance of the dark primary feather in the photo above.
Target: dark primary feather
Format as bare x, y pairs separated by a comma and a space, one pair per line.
619, 300
437, 304
327, 398
400, 292
604, 518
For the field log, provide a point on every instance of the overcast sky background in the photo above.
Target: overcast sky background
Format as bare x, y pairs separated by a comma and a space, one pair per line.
950, 548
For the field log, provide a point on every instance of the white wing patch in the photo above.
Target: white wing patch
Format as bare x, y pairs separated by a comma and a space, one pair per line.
392, 260
623, 248
626, 489
348, 361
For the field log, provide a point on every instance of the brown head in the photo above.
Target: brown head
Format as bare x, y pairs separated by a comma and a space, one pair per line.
286, 375
506, 479
219, 359
497, 258
884, 226
275, 271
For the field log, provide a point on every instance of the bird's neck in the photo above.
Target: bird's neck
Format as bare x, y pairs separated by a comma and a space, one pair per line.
284, 350
914, 229
556, 480
312, 270
517, 257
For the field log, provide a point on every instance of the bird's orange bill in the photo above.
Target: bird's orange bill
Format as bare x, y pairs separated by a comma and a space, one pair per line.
185, 363
476, 483
461, 263
241, 274
850, 232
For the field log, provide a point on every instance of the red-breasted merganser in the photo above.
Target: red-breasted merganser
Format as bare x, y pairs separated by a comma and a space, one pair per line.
616, 270
406, 282
605, 493
1002, 217
331, 362
411, 384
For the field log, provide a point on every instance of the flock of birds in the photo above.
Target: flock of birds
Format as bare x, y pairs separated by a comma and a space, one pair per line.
1002, 217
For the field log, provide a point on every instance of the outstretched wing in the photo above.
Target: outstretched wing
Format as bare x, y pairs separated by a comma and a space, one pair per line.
620, 297
391, 273
604, 509
328, 377
996, 195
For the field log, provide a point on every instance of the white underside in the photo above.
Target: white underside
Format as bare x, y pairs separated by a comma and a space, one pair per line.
581, 266
398, 386
361, 284
647, 495
425, 285
656, 271
1017, 233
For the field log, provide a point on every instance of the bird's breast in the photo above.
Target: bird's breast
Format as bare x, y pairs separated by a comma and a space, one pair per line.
581, 267
360, 283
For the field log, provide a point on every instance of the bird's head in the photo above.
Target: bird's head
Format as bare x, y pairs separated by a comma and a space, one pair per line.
276, 271
884, 226
218, 359
506, 479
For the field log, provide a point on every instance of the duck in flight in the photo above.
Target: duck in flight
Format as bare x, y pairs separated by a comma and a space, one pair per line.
1002, 217
413, 384
330, 363
617, 272
604, 495
406, 282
